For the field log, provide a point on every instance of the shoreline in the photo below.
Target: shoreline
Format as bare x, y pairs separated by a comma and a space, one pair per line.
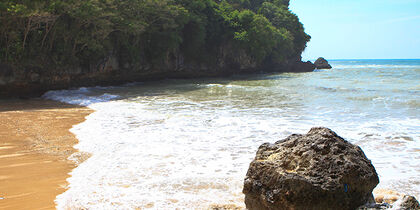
35, 143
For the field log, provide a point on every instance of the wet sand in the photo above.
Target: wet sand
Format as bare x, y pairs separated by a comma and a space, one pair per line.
35, 143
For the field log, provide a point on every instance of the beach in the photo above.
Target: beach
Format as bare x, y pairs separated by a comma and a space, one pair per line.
188, 143
35, 143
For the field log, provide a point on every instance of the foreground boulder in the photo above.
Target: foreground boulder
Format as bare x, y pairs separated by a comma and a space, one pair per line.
321, 63
319, 170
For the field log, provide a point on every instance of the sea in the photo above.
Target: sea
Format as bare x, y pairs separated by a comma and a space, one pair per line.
187, 144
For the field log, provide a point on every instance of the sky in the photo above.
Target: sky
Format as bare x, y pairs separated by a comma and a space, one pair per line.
360, 29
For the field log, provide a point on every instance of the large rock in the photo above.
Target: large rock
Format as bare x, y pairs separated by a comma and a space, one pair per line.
319, 170
321, 63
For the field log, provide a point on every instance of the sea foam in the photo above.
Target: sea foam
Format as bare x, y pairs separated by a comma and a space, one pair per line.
78, 97
188, 144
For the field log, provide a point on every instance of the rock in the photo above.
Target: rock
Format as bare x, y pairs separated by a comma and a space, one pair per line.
303, 66
321, 63
319, 170
108, 64
407, 203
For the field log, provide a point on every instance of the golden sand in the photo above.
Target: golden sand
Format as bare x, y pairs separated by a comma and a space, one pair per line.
35, 143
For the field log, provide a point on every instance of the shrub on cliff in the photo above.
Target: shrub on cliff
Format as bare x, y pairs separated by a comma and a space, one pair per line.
77, 32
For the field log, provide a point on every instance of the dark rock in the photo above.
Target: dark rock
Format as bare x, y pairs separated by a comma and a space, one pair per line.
115, 68
321, 63
294, 64
407, 203
319, 170
303, 66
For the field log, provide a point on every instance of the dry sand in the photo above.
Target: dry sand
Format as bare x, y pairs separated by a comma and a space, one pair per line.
35, 143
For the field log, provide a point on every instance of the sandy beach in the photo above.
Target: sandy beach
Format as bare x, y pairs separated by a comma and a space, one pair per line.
35, 143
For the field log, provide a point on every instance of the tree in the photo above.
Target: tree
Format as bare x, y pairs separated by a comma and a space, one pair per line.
81, 32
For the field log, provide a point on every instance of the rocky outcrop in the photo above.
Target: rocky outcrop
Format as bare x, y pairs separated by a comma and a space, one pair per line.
321, 63
407, 203
319, 170
298, 66
115, 69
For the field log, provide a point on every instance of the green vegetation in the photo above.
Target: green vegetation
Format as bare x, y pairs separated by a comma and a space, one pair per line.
76, 32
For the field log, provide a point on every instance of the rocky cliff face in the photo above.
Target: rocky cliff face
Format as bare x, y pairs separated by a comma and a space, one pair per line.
61, 44
114, 69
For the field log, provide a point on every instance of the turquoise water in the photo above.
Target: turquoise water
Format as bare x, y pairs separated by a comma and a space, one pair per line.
188, 143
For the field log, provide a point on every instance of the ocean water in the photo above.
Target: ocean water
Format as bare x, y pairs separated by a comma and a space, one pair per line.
187, 144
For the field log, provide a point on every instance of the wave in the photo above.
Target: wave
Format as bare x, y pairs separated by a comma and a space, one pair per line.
375, 66
79, 96
174, 146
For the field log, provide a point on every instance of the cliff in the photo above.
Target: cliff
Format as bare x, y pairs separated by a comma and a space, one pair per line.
60, 44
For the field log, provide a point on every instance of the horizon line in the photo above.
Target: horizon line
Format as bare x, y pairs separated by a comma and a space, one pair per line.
366, 59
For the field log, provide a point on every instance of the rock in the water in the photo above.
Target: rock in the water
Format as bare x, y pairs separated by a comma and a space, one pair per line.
319, 170
303, 66
407, 203
321, 63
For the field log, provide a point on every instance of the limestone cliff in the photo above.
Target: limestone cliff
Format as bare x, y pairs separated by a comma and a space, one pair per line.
33, 81
47, 45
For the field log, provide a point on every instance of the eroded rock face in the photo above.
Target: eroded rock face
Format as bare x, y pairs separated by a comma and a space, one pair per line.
6, 74
115, 69
303, 66
321, 63
319, 170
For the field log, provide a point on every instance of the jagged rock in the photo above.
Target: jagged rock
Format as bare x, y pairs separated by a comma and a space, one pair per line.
300, 66
319, 170
407, 203
321, 63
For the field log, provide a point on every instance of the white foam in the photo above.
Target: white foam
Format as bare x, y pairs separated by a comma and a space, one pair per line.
79, 97
191, 149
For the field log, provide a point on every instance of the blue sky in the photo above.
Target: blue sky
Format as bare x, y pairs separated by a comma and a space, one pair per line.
360, 29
